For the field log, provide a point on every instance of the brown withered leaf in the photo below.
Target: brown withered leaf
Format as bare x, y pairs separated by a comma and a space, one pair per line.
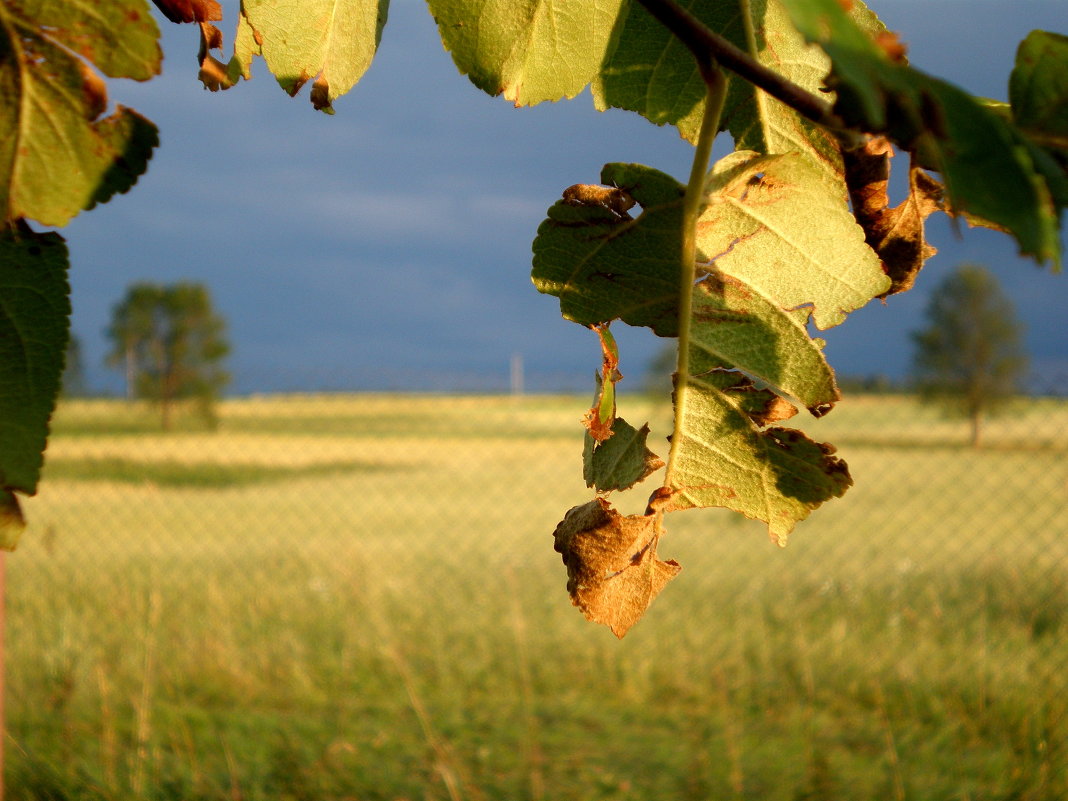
613, 573
190, 10
895, 234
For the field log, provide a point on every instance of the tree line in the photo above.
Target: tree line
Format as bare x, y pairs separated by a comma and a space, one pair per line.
171, 345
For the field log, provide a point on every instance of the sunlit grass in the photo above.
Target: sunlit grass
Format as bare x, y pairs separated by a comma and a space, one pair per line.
303, 627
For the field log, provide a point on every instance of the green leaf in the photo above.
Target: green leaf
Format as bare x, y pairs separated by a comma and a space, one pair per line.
528, 50
245, 49
621, 461
119, 37
330, 41
988, 169
651, 72
723, 458
777, 225
760, 122
34, 312
62, 155
1038, 94
1038, 88
734, 325
602, 263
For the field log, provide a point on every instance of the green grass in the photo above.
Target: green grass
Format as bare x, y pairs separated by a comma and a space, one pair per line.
360, 600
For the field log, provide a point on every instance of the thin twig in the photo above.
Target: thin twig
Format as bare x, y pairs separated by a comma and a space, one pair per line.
691, 209
708, 46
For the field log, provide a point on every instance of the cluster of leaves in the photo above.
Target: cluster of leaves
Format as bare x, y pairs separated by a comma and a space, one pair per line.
790, 232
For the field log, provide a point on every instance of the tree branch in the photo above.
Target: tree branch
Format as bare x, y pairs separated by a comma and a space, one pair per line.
707, 45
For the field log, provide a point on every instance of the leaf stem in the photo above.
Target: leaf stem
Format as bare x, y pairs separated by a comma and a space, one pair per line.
691, 210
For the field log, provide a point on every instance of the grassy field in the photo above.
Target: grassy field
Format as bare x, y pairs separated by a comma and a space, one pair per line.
357, 598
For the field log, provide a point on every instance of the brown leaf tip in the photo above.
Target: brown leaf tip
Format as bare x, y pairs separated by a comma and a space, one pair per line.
890, 43
612, 569
320, 95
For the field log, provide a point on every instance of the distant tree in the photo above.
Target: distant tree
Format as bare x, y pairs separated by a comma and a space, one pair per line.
970, 358
73, 385
171, 343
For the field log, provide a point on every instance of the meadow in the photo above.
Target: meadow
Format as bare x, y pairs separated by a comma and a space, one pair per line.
356, 597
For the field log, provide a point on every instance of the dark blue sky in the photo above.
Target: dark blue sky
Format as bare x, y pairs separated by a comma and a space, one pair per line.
389, 245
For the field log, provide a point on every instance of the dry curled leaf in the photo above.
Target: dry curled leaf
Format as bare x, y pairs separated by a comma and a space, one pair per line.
895, 234
613, 573
213, 73
600, 417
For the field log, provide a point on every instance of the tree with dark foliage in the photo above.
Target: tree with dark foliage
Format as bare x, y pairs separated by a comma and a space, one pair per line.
170, 342
970, 358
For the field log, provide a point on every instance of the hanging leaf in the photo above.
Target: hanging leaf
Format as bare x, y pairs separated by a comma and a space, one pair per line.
620, 461
328, 42
527, 50
1038, 94
34, 313
724, 458
1038, 90
59, 155
613, 572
